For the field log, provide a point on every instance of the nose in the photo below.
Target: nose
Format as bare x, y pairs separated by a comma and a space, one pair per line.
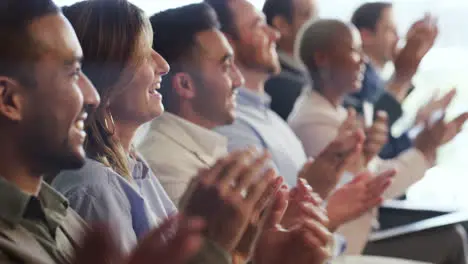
237, 77
91, 97
162, 67
273, 33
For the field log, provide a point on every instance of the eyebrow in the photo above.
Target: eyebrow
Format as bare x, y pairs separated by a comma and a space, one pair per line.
75, 59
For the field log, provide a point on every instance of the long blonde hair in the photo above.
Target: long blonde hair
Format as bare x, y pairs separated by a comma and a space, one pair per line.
109, 32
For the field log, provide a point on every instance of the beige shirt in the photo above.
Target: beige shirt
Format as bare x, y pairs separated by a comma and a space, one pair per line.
316, 122
177, 149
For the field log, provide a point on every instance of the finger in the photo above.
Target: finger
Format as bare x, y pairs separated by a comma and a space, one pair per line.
318, 230
256, 189
320, 252
233, 170
382, 177
459, 121
378, 190
381, 116
445, 101
214, 173
350, 121
305, 193
244, 177
360, 178
267, 197
314, 212
279, 207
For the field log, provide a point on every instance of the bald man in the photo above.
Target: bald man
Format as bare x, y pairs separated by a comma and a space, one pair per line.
318, 116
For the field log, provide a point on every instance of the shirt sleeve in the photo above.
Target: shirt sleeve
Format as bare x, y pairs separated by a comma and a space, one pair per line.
410, 166
315, 137
96, 204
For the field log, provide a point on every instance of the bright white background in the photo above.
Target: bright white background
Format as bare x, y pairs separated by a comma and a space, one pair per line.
443, 67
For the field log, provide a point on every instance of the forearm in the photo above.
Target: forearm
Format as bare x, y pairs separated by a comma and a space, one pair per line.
399, 88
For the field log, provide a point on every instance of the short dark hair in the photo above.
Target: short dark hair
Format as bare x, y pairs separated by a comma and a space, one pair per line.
225, 16
174, 39
18, 49
283, 8
368, 15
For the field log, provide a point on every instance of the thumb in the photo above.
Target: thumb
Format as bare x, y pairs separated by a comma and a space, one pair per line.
278, 208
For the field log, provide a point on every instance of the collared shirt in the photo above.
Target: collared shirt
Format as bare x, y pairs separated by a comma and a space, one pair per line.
42, 216
291, 62
285, 87
177, 149
99, 194
316, 122
257, 125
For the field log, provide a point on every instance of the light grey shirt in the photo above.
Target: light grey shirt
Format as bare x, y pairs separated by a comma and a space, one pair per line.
257, 125
99, 194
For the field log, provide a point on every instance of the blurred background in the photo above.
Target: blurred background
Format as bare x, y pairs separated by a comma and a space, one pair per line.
443, 68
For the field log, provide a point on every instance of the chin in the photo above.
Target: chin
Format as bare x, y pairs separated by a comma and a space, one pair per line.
157, 112
71, 161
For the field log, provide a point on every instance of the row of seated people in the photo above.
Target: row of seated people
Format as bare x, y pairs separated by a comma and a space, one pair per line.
134, 168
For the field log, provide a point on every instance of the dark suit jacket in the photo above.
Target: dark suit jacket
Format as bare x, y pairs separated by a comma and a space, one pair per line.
284, 89
373, 91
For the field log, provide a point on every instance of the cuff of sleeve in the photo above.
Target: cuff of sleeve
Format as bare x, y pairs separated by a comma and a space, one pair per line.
211, 253
337, 245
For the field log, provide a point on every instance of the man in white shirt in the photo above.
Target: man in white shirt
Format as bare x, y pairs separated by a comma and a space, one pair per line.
317, 118
199, 94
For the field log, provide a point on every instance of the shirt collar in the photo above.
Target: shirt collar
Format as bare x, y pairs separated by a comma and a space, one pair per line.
14, 202
290, 61
249, 97
319, 101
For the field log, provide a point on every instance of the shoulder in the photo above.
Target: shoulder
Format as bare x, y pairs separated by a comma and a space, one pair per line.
93, 175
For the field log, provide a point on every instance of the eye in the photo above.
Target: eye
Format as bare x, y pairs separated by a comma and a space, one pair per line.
76, 73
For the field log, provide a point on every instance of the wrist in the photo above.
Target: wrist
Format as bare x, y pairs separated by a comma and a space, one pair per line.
428, 151
333, 222
399, 86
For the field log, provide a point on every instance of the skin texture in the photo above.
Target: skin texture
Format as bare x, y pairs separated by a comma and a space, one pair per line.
208, 99
45, 122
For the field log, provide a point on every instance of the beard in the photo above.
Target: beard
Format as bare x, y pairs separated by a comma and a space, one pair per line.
255, 59
46, 156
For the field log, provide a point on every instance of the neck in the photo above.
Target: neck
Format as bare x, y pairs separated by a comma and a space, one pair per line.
286, 47
375, 60
186, 112
13, 169
254, 79
330, 93
125, 131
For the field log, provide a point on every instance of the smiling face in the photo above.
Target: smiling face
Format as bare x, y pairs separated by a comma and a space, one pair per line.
255, 45
345, 60
214, 98
381, 42
55, 109
139, 100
